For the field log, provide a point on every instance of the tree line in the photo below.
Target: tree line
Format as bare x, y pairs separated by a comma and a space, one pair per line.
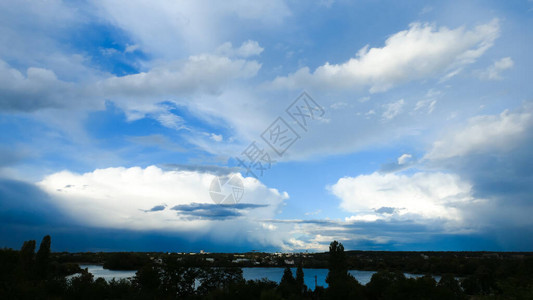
27, 274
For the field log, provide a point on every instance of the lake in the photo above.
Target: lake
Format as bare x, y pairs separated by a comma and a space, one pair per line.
99, 271
273, 274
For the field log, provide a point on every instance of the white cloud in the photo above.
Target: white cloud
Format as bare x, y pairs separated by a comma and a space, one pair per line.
422, 51
216, 137
198, 72
420, 196
364, 218
170, 120
494, 71
404, 158
131, 48
339, 105
483, 134
122, 197
370, 113
247, 49
393, 109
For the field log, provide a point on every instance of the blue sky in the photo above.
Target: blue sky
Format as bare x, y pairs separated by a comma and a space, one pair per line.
116, 117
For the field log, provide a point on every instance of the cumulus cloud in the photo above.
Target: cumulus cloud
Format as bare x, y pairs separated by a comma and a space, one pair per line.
493, 154
483, 134
423, 51
178, 202
485, 191
422, 195
38, 88
494, 71
132, 199
117, 197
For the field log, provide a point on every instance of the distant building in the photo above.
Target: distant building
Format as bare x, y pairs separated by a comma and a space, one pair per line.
289, 262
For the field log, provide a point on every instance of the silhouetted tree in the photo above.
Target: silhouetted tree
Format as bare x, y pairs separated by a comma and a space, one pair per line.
125, 261
300, 285
287, 285
42, 258
448, 283
479, 283
342, 285
27, 253
178, 278
147, 279
218, 278
81, 286
381, 282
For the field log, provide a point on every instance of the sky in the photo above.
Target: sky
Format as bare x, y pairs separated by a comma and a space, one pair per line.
272, 125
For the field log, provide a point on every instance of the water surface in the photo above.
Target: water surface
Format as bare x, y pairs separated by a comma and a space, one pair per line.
273, 274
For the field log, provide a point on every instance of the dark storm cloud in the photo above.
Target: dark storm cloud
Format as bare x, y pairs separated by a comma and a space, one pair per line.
386, 210
211, 169
214, 211
156, 208
298, 221
25, 204
502, 180
26, 212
